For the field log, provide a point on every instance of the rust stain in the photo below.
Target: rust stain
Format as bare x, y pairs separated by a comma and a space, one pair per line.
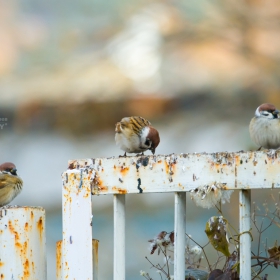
26, 271
68, 197
166, 167
220, 165
23, 252
26, 226
58, 257
32, 215
124, 170
86, 195
119, 190
13, 231
238, 160
101, 188
40, 227
170, 168
160, 161
173, 167
1, 264
33, 267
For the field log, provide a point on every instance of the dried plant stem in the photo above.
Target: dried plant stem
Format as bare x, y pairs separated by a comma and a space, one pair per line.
202, 248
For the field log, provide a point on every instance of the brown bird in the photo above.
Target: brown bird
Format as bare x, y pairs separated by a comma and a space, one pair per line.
265, 127
136, 135
10, 183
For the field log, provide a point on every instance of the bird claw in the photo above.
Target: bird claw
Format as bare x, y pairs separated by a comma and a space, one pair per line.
123, 155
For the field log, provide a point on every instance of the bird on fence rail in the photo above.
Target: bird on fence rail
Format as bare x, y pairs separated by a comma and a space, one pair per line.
10, 183
265, 127
136, 135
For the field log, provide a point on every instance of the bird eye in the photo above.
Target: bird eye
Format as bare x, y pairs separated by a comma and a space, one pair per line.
265, 114
148, 142
12, 171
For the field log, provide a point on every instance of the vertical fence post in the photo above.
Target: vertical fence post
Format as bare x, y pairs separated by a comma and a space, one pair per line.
22, 243
59, 259
77, 226
180, 235
95, 258
119, 237
245, 237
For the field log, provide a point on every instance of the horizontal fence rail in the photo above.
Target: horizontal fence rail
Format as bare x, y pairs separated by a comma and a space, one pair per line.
179, 174
183, 172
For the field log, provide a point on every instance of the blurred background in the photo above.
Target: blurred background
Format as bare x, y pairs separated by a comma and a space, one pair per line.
70, 70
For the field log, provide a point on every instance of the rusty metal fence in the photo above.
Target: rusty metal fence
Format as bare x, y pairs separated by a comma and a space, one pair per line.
179, 174
23, 243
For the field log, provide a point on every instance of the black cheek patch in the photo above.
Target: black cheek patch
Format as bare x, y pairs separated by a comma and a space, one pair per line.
148, 142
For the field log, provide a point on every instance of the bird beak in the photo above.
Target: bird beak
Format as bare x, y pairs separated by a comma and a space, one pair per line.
275, 113
14, 171
153, 150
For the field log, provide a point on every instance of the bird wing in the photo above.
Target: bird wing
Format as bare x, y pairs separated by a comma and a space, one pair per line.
137, 124
3, 181
141, 121
131, 125
6, 179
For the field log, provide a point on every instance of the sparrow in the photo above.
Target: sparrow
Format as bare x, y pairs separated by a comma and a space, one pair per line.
136, 135
158, 240
10, 183
265, 127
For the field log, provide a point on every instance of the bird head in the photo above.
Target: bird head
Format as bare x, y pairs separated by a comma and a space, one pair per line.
268, 111
8, 168
153, 137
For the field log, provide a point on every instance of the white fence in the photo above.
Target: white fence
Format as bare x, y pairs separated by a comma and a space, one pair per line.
179, 174
22, 235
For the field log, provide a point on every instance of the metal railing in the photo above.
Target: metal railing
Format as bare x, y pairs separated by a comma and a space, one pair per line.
179, 174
